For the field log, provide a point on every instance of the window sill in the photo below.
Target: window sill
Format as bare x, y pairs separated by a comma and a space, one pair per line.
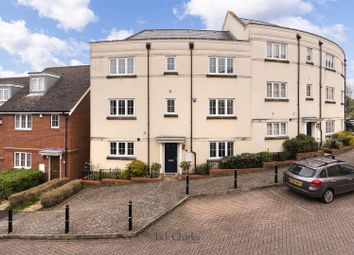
309, 63
330, 69
330, 102
277, 138
23, 129
121, 158
170, 73
277, 60
170, 115
121, 76
221, 76
120, 118
342, 103
309, 99
221, 118
276, 100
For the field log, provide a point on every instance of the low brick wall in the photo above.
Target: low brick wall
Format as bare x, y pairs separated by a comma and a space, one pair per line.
192, 177
118, 182
304, 155
225, 172
338, 151
271, 165
146, 179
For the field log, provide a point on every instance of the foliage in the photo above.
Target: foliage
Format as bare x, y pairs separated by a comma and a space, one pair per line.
265, 156
185, 165
244, 160
301, 143
58, 195
138, 168
333, 143
202, 169
13, 181
34, 193
345, 137
155, 168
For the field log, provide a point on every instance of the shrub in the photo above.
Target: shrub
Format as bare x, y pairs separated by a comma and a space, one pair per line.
155, 168
265, 156
344, 137
14, 181
185, 165
202, 169
301, 143
137, 168
123, 174
333, 143
58, 195
34, 193
244, 160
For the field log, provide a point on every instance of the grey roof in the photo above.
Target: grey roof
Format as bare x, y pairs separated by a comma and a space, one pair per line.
153, 34
61, 97
22, 81
252, 21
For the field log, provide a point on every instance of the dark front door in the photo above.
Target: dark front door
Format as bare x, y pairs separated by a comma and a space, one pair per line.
171, 157
309, 129
54, 167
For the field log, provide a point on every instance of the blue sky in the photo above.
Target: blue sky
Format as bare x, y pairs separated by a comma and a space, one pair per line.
39, 33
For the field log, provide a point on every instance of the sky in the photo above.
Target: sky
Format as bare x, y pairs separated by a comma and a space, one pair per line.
35, 34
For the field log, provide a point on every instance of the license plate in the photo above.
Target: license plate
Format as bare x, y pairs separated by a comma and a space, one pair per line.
295, 182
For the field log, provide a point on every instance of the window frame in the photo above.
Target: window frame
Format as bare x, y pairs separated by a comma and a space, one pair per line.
330, 64
125, 107
217, 151
309, 55
217, 65
167, 64
26, 160
309, 85
225, 100
174, 106
51, 121
328, 88
126, 73
280, 83
342, 97
126, 148
332, 131
38, 83
2, 93
279, 129
271, 54
26, 116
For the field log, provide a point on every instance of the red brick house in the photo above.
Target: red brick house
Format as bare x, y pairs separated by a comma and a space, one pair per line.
46, 121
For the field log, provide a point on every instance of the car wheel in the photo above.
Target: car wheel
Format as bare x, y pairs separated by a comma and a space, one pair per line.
328, 196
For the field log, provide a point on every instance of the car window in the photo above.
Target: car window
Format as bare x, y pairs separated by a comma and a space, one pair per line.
323, 174
301, 170
335, 170
347, 169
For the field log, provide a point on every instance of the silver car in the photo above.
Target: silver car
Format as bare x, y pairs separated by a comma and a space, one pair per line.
320, 177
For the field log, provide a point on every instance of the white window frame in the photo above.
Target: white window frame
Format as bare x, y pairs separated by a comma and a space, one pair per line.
309, 86
217, 67
271, 50
52, 121
328, 98
167, 64
125, 149
174, 106
330, 126
280, 84
37, 85
226, 144
117, 73
279, 125
28, 159
226, 112
5, 94
309, 55
329, 61
27, 121
125, 107
342, 97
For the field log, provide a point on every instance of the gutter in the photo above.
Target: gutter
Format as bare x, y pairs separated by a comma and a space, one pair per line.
320, 103
66, 146
298, 37
191, 47
148, 47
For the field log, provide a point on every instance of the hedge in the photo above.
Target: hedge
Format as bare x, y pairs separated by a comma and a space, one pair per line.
34, 193
14, 181
58, 195
244, 160
301, 143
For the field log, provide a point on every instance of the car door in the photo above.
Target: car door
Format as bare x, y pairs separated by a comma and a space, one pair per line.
337, 179
349, 170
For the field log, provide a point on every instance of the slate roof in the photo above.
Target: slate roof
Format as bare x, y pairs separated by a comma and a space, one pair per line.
61, 97
154, 34
22, 81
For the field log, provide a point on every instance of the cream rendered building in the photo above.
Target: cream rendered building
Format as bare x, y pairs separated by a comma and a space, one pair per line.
172, 95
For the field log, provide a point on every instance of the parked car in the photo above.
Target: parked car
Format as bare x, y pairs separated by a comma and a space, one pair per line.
320, 178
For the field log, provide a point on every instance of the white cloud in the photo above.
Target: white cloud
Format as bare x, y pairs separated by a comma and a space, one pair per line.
286, 13
119, 34
36, 49
8, 73
75, 62
71, 14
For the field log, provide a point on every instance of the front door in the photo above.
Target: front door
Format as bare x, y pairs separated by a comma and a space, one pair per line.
54, 167
309, 129
171, 158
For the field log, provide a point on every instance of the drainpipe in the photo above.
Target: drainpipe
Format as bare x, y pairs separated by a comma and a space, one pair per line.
298, 37
191, 47
148, 47
320, 103
345, 91
66, 146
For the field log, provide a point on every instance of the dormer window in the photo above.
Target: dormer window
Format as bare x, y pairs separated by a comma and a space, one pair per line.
4, 95
37, 85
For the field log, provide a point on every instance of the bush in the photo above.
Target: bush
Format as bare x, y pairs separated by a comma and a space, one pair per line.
14, 181
301, 143
185, 165
155, 168
138, 168
58, 195
202, 169
34, 193
265, 156
344, 137
244, 160
333, 143
123, 174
